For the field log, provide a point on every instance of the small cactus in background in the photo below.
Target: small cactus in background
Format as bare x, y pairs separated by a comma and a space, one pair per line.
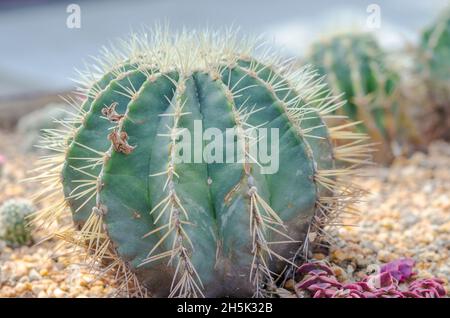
354, 65
434, 69
197, 228
32, 126
14, 228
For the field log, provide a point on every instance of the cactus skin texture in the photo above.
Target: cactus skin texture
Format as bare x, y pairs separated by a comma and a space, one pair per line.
197, 229
13, 223
434, 68
355, 66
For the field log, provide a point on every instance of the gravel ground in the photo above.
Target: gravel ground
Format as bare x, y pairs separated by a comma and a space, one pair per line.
407, 214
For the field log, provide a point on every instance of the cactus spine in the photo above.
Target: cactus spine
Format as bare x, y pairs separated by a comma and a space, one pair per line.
197, 229
355, 66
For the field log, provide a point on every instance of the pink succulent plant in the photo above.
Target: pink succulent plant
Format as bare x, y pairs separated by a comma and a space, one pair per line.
401, 269
428, 288
319, 281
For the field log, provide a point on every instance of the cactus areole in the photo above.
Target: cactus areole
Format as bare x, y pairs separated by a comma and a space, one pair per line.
196, 227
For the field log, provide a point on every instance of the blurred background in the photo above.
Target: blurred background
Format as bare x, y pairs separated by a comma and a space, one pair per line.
39, 51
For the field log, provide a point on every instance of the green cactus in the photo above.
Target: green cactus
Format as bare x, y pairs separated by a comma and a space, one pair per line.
196, 227
13, 223
434, 66
354, 64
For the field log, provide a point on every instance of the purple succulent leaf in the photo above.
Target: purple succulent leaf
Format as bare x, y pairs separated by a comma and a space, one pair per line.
320, 282
316, 267
324, 293
353, 286
427, 292
319, 286
368, 294
401, 269
332, 281
308, 281
409, 294
318, 272
364, 286
355, 295
349, 293
391, 293
330, 292
320, 294
434, 285
312, 280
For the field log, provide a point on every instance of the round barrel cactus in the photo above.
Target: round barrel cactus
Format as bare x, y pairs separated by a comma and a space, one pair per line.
13, 222
161, 175
355, 69
434, 66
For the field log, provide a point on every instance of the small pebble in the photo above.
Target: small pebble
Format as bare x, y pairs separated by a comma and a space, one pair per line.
34, 275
